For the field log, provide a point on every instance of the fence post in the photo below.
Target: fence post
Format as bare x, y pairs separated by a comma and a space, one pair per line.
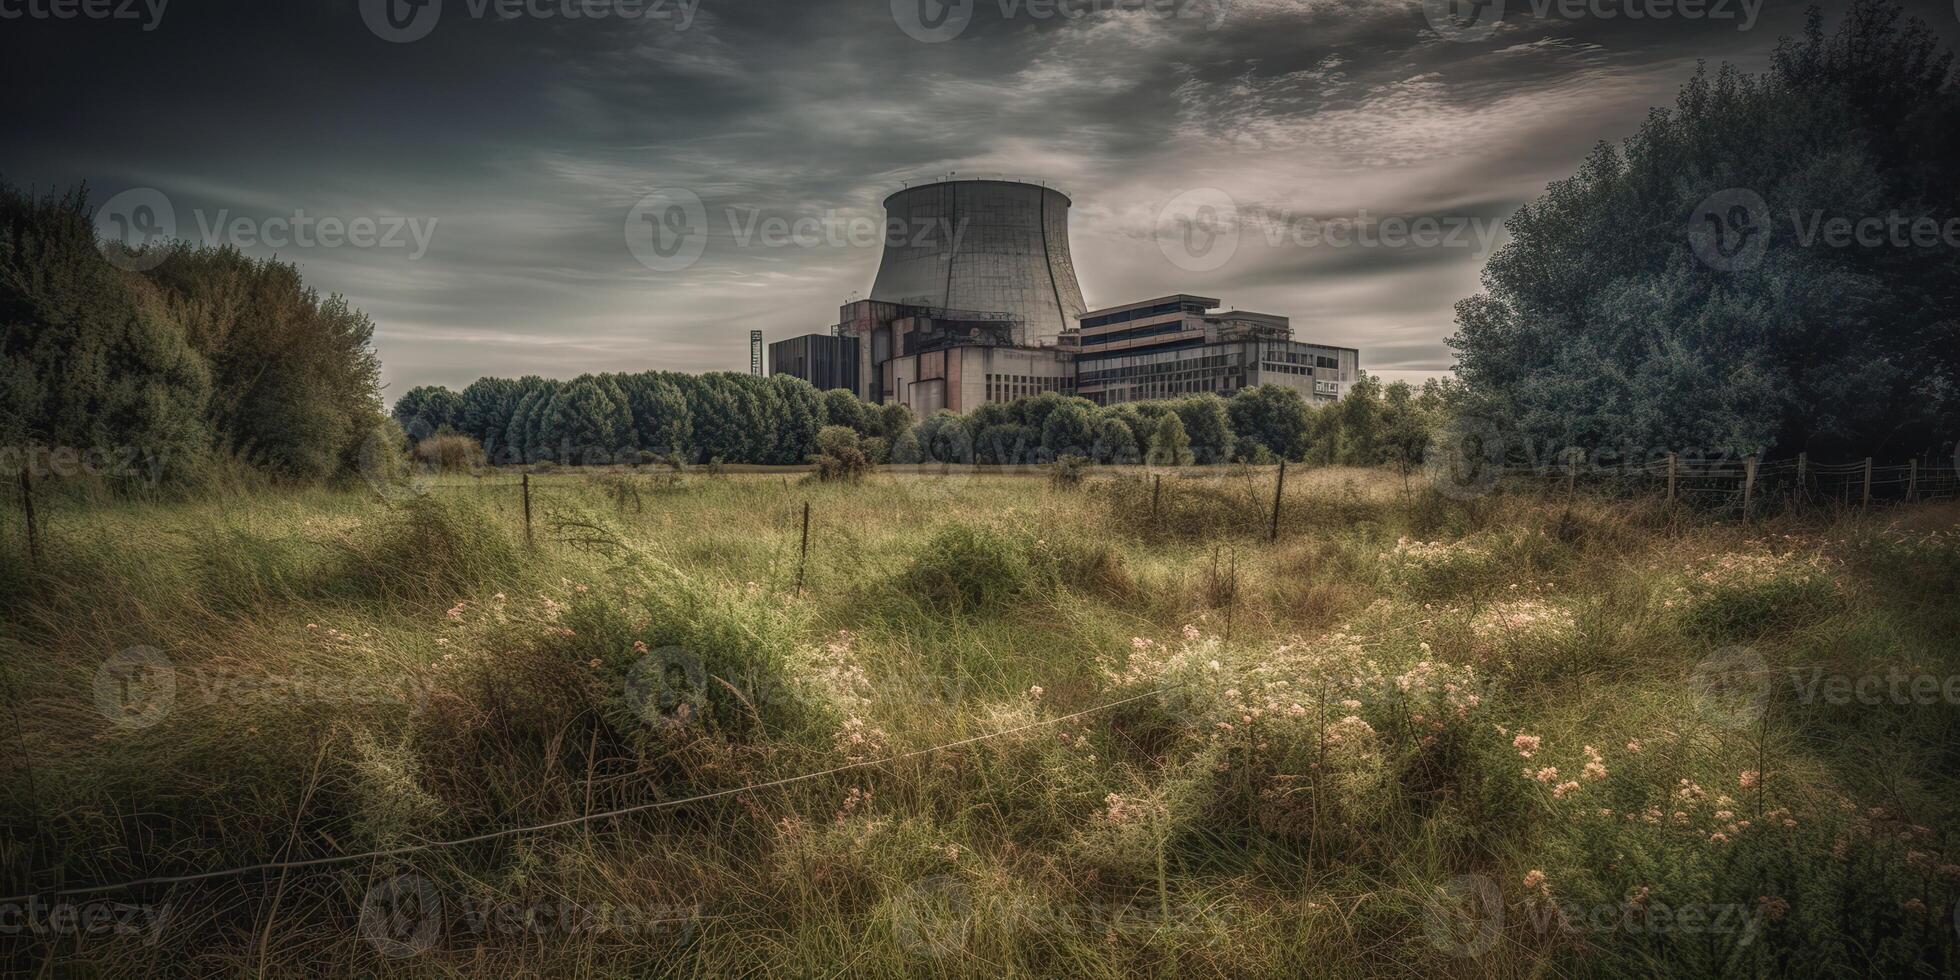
1912, 480
529, 542
803, 550
1279, 490
1156, 491
1866, 503
27, 509
1671, 463
1748, 484
1803, 476
1571, 473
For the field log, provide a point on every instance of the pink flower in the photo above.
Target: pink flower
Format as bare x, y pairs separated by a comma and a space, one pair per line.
1526, 744
1749, 779
1534, 880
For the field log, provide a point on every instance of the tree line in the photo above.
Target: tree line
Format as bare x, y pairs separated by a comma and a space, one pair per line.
203, 362
601, 419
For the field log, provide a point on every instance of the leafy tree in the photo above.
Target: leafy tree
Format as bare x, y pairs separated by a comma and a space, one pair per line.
842, 407
1170, 445
586, 424
1068, 431
426, 410
1269, 416
1207, 425
1650, 303
662, 422
802, 414
1114, 441
893, 420
89, 359
295, 379
487, 406
905, 449
945, 437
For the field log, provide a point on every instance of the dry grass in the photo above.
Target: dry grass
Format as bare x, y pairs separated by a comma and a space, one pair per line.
353, 674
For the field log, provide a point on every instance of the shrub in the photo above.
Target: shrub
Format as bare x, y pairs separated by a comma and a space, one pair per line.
840, 455
449, 453
1069, 471
967, 567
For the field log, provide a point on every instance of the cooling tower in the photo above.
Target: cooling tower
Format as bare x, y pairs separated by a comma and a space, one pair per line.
996, 246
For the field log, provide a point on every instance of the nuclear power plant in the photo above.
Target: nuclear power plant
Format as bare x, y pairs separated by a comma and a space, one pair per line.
976, 301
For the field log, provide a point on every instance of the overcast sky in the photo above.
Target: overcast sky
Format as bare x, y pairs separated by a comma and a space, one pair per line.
500, 159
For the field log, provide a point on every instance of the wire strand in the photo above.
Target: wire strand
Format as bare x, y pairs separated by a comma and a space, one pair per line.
585, 818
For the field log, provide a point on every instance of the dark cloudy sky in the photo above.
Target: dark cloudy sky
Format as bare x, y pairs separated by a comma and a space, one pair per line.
528, 140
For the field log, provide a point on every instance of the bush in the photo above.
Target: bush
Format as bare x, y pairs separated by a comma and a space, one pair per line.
1069, 471
965, 567
840, 455
449, 453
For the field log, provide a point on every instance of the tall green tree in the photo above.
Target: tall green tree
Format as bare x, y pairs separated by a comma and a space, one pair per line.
90, 359
1682, 291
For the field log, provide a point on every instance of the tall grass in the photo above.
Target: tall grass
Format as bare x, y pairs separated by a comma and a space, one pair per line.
1338, 764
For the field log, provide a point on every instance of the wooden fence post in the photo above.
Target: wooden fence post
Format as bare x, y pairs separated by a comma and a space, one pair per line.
1748, 484
27, 509
1866, 503
1279, 490
1671, 465
1571, 472
1156, 491
529, 541
803, 550
1912, 480
1803, 476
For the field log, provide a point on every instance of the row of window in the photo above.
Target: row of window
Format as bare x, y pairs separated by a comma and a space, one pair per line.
1154, 330
1139, 313
1007, 387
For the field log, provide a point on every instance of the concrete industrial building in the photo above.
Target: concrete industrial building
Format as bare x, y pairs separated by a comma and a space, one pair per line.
976, 301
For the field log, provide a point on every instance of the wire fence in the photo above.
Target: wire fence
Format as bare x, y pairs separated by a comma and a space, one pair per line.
1749, 485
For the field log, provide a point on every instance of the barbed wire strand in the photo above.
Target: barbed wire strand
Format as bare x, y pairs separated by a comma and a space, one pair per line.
582, 819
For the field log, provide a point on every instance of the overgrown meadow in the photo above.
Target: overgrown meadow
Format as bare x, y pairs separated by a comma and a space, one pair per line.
1521, 734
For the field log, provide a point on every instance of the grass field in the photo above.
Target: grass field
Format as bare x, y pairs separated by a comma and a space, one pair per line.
1509, 736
